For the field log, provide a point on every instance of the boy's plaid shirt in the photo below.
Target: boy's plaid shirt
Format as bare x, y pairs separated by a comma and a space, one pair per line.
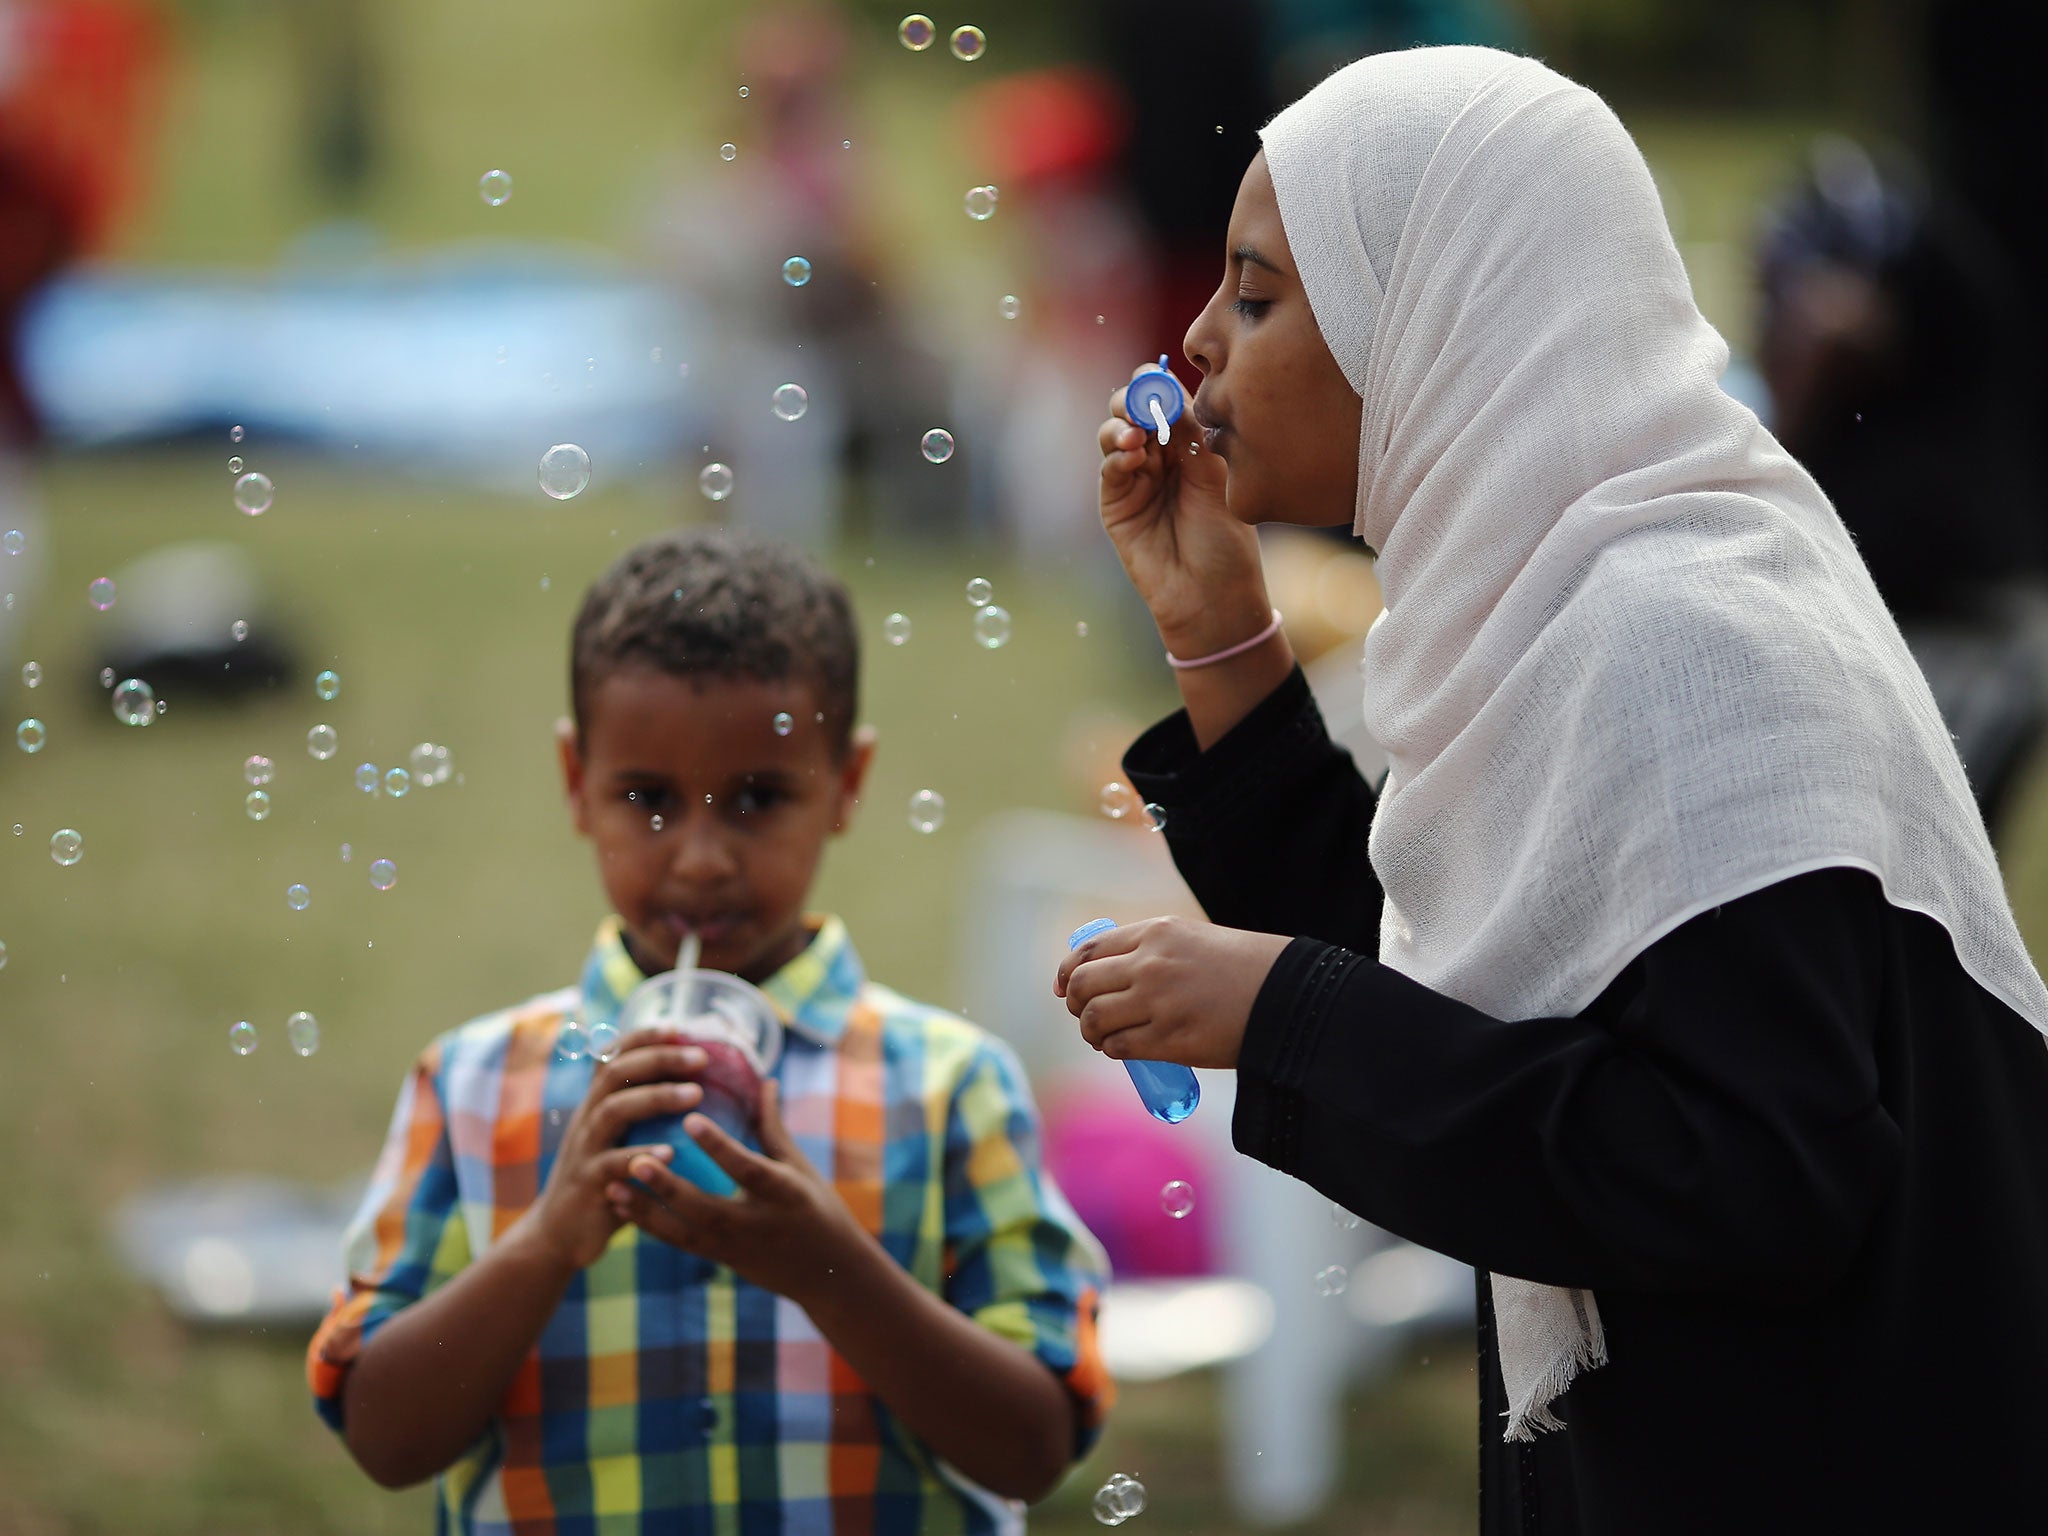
667, 1394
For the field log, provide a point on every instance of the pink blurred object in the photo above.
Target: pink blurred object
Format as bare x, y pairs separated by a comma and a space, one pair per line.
1113, 1160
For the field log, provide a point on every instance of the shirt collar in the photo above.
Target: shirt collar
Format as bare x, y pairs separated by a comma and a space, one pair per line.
812, 993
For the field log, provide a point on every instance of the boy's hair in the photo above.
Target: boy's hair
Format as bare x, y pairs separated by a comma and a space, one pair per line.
717, 602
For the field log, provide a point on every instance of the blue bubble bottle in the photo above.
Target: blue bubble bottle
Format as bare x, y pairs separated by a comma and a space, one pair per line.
1155, 400
1169, 1089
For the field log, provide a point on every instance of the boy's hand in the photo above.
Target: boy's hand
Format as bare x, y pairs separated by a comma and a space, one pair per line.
572, 1219
785, 1229
1167, 989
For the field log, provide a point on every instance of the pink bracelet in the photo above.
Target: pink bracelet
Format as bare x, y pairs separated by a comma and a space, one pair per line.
1227, 652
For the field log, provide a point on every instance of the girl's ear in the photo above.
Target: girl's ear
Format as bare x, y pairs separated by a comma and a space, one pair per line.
853, 773
570, 753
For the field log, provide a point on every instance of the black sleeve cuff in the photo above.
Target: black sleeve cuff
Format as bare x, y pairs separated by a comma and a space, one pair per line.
1280, 1042
1282, 737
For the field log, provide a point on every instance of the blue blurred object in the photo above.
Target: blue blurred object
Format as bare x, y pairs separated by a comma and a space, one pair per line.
474, 361
1170, 1090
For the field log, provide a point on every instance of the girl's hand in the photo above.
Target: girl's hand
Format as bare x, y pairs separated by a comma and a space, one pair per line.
1168, 989
1196, 566
786, 1228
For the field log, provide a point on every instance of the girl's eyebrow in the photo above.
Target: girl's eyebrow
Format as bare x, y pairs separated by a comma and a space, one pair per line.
1249, 255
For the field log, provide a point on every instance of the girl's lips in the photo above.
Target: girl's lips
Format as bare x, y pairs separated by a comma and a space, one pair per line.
1212, 439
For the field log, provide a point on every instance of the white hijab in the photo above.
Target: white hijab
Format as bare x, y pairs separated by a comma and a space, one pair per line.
1631, 666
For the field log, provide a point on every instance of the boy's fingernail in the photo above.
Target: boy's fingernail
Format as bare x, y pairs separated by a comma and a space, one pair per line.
644, 1167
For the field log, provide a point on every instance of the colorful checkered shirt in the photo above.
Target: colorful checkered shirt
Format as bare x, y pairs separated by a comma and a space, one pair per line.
666, 1394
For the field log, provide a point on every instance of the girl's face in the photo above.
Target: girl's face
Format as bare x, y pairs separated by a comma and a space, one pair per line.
1275, 406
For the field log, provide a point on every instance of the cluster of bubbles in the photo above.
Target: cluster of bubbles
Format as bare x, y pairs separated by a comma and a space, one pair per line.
715, 481
1177, 1198
101, 593
927, 811
302, 1030
790, 402
937, 445
917, 33
564, 471
981, 203
67, 846
495, 188
1119, 1499
253, 493
896, 628
430, 764
991, 622
599, 1040
134, 702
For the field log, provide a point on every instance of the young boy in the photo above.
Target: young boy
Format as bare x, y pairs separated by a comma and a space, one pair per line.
890, 1327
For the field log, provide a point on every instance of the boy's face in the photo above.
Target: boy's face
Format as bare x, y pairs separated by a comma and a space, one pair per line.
742, 811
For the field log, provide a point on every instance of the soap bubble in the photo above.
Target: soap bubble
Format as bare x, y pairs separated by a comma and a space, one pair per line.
980, 592
968, 44
257, 804
30, 735
981, 203
1177, 1198
1117, 800
916, 32
896, 628
134, 702
1107, 1506
992, 627
1081, 628
31, 674
327, 685
1130, 1495
162, 705
297, 897
927, 810
796, 271
242, 1038
67, 846
383, 874
938, 445
396, 783
14, 541
235, 464
366, 778
715, 481
1343, 1220
1330, 1281
303, 1030
258, 769
564, 471
1155, 817
572, 1043
101, 593
430, 764
1009, 309
235, 434
728, 151
106, 677
347, 853
743, 93
3, 957
604, 1041
321, 742
239, 629
790, 401
253, 493
784, 723
495, 188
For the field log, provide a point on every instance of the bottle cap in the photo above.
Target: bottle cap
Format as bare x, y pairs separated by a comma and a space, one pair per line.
1155, 384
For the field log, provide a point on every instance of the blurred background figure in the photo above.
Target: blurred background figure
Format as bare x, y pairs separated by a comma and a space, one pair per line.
1893, 341
78, 87
844, 333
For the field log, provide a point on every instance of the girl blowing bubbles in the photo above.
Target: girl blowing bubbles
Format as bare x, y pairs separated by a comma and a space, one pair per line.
1669, 979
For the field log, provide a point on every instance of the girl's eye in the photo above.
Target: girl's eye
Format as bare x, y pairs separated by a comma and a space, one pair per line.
1252, 309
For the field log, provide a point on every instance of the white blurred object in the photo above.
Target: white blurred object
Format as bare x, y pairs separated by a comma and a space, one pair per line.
1153, 1329
235, 1249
